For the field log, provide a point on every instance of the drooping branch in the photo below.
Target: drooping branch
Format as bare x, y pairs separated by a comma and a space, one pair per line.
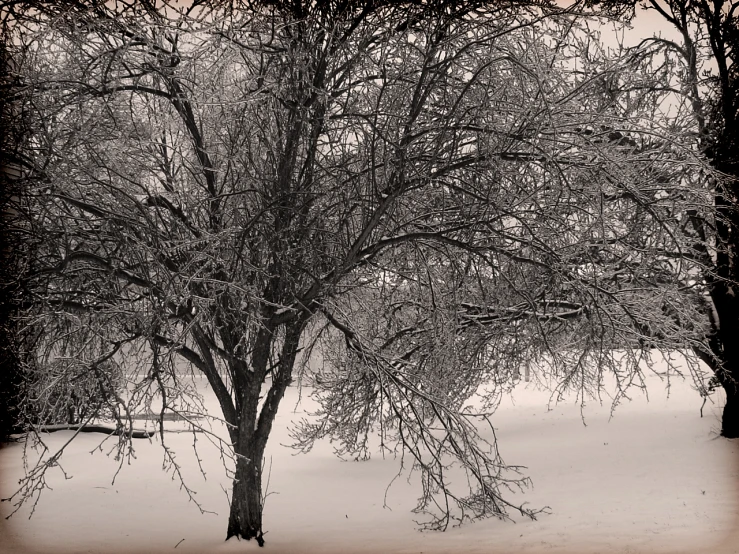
436, 436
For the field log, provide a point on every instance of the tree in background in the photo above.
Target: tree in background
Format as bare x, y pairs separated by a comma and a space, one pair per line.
450, 192
11, 248
710, 37
704, 56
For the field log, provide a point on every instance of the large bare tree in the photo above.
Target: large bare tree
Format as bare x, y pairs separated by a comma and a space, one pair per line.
705, 49
438, 193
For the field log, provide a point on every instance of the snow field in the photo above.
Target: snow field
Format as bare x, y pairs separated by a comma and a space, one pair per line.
654, 478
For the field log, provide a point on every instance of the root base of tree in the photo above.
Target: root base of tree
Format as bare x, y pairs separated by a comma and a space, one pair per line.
258, 536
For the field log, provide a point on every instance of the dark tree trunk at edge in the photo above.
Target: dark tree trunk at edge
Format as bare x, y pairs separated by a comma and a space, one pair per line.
723, 152
730, 417
726, 348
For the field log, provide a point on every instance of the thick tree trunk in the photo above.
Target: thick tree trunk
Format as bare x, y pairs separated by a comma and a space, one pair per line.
725, 293
725, 341
730, 417
727, 371
729, 381
250, 439
245, 518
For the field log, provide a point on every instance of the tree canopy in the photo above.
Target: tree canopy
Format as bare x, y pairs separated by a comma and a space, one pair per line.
438, 193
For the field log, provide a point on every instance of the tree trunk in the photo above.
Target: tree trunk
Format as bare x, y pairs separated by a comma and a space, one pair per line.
730, 417
726, 349
724, 154
245, 518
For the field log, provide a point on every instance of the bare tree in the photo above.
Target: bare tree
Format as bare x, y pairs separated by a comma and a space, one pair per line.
705, 77
448, 191
710, 33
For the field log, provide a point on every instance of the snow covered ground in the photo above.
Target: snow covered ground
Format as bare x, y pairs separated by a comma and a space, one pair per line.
655, 478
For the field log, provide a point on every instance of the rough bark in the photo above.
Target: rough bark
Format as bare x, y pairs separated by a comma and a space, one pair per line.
245, 517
